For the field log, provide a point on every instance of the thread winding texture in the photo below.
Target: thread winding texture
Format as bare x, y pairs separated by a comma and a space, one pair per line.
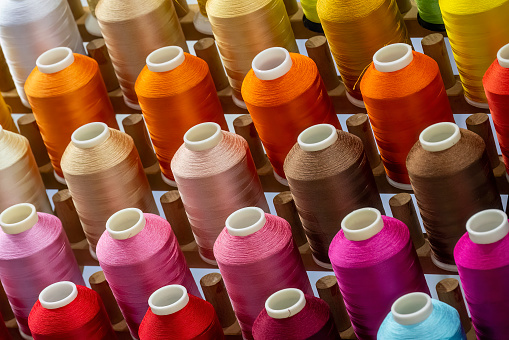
6, 120
375, 272
31, 27
213, 184
284, 107
265, 22
476, 30
429, 15
400, 105
329, 184
138, 266
174, 101
450, 186
256, 266
32, 260
309, 9
132, 30
65, 100
105, 179
352, 37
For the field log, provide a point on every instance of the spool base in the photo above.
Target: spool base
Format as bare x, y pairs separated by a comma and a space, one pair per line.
354, 101
92, 253
311, 25
24, 101
209, 261
398, 185
92, 26
322, 264
59, 179
25, 336
430, 26
131, 105
280, 179
168, 181
239, 103
444, 266
477, 104
202, 23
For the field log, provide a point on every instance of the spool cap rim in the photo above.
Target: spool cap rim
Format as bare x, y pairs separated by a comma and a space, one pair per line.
1, 131
503, 56
203, 136
414, 317
236, 226
279, 61
448, 135
281, 296
129, 216
393, 57
56, 289
55, 60
90, 135
317, 137
29, 216
370, 216
163, 292
173, 57
496, 221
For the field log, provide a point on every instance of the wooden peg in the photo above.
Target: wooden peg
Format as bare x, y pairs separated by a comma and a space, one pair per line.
433, 46
480, 124
449, 291
5, 307
404, 5
97, 50
175, 214
215, 292
285, 208
206, 49
328, 290
76, 8
359, 125
134, 126
291, 7
319, 51
6, 83
66, 212
99, 284
181, 7
28, 128
403, 209
244, 127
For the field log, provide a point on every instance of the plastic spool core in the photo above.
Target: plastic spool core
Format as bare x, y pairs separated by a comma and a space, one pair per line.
1, 131
488, 226
362, 224
412, 308
503, 56
90, 135
58, 295
168, 300
125, 223
245, 221
393, 57
317, 137
439, 137
165, 59
285, 303
18, 218
55, 60
272, 63
203, 136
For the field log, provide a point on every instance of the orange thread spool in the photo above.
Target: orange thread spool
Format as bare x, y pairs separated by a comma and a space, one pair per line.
176, 92
5, 116
404, 94
285, 95
66, 91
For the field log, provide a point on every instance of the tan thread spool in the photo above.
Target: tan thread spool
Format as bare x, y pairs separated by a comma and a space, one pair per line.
97, 50
6, 83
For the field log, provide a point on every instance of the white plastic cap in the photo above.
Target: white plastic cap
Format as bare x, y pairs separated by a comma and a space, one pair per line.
90, 135
18, 218
203, 136
362, 224
412, 308
125, 223
503, 56
1, 131
165, 59
55, 60
439, 136
245, 221
285, 303
317, 137
58, 295
168, 299
393, 57
488, 226
272, 63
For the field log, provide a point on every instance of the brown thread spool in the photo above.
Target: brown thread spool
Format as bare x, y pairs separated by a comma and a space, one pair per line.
404, 5
359, 125
433, 45
285, 208
215, 292
66, 212
181, 7
244, 127
28, 128
449, 291
328, 290
176, 215
291, 7
206, 49
100, 285
6, 83
319, 51
135, 127
97, 50
403, 209
480, 124
76, 8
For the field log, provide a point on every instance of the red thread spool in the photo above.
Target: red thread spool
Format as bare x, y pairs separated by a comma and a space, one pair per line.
68, 311
176, 315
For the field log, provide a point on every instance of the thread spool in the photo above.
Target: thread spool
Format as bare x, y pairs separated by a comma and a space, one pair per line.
207, 160
139, 254
265, 21
201, 21
404, 6
34, 252
398, 81
348, 26
23, 23
66, 310
181, 7
416, 315
310, 17
206, 49
101, 184
329, 177
20, 179
183, 82
368, 245
29, 129
429, 15
66, 91
176, 215
446, 163
91, 23
76, 8
97, 50
170, 308
6, 83
256, 251
289, 314
285, 95
5, 116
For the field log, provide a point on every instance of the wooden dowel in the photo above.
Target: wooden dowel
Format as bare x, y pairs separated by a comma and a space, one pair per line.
28, 128
328, 290
433, 46
215, 292
176, 215
359, 125
285, 208
206, 49
5, 307
480, 124
100, 285
404, 5
66, 212
291, 7
403, 209
97, 50
449, 291
134, 126
181, 7
76, 8
6, 83
244, 127
319, 51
